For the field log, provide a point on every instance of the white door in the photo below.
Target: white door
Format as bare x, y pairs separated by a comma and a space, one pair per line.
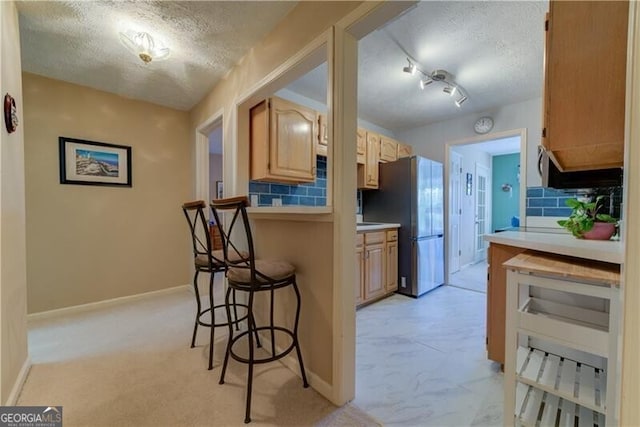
455, 210
483, 220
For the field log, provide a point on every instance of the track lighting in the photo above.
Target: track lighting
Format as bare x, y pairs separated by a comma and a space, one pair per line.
460, 101
425, 82
442, 76
411, 68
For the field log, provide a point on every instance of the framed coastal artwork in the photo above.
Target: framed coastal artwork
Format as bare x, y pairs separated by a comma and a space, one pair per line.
94, 163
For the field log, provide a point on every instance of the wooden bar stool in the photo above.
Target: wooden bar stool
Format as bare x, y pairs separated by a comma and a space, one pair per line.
250, 275
209, 261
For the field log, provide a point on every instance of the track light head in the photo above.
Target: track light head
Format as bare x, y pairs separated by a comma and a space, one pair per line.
461, 101
411, 68
425, 82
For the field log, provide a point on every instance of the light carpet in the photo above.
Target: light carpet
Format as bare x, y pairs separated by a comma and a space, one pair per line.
131, 365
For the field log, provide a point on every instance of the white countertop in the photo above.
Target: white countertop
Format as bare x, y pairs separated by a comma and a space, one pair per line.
562, 244
377, 226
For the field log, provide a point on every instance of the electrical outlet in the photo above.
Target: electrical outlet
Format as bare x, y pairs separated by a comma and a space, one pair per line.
403, 282
276, 202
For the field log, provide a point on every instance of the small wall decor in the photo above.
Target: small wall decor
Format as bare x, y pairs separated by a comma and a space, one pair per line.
10, 113
218, 189
94, 163
469, 184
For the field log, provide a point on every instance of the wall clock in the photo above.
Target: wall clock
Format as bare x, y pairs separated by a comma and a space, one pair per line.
483, 125
10, 113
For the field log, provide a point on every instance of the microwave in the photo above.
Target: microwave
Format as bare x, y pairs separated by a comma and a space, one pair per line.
552, 177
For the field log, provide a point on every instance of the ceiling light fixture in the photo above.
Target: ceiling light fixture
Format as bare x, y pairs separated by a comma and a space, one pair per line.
451, 87
142, 45
411, 68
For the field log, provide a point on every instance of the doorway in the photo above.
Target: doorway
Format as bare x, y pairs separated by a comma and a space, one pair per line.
474, 164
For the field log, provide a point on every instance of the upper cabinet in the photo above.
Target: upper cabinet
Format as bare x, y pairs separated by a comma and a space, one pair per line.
585, 80
404, 150
323, 137
388, 149
361, 145
368, 173
283, 142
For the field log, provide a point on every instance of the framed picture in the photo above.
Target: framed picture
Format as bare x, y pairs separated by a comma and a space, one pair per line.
94, 163
218, 189
469, 185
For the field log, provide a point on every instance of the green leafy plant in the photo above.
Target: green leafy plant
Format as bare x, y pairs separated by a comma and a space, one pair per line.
584, 215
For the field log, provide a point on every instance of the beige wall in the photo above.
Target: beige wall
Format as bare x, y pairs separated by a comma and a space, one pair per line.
13, 279
282, 238
91, 243
430, 140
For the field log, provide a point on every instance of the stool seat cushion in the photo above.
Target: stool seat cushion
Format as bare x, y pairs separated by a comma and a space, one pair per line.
203, 261
276, 270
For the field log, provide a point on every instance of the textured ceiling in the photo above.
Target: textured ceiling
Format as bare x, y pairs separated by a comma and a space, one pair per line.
78, 42
494, 50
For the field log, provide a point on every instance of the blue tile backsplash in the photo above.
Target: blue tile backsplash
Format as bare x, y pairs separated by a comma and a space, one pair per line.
551, 202
311, 194
547, 202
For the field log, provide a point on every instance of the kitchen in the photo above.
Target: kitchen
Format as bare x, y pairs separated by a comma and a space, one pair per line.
398, 138
539, 222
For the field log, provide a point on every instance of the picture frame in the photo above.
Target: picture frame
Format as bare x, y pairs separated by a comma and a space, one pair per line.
219, 192
84, 162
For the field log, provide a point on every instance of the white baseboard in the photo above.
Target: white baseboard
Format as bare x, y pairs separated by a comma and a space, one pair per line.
17, 386
105, 303
291, 362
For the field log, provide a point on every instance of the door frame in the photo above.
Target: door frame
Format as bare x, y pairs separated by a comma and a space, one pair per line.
522, 133
201, 155
452, 236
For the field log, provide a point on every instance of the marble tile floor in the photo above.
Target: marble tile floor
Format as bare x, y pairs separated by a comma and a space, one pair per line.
422, 362
473, 277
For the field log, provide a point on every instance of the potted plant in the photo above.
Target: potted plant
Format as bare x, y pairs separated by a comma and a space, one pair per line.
586, 223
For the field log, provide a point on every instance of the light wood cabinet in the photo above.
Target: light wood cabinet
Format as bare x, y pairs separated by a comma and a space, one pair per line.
283, 142
392, 261
388, 149
361, 144
376, 265
496, 298
404, 150
360, 275
368, 173
374, 261
585, 81
323, 136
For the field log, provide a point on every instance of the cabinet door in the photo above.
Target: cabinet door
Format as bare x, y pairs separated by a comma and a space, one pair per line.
497, 299
361, 145
292, 135
392, 267
388, 149
371, 165
585, 84
374, 271
404, 150
323, 137
360, 275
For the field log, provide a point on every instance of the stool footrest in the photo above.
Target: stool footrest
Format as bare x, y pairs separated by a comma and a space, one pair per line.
215, 325
272, 358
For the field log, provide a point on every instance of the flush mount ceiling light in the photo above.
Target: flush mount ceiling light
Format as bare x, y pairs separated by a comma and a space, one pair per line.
450, 86
142, 45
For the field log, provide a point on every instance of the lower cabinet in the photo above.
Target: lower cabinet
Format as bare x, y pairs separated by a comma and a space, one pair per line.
496, 298
377, 265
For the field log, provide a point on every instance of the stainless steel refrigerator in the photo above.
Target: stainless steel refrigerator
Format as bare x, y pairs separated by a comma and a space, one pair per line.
411, 193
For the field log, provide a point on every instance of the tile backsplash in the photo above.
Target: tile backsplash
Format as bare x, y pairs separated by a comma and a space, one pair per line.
551, 202
309, 194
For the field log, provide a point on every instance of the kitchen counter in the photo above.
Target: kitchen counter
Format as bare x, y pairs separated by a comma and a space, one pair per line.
562, 244
376, 226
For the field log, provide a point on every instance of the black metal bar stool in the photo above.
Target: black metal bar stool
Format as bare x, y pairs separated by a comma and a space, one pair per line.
209, 261
247, 274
